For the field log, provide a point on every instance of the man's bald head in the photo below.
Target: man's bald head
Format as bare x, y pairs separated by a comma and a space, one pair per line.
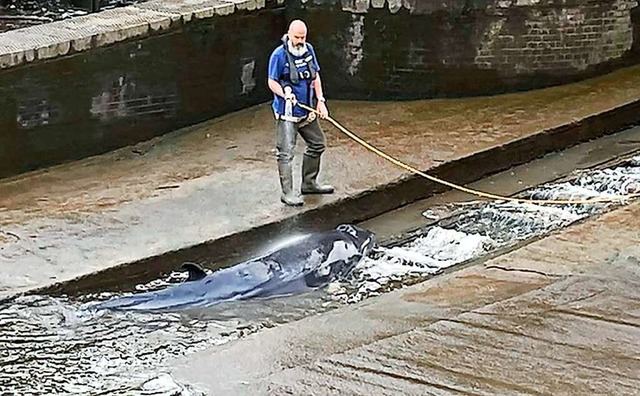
297, 33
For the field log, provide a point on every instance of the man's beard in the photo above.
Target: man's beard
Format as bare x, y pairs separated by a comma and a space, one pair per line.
298, 50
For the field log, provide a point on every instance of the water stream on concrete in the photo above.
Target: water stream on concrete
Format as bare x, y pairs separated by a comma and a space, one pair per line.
48, 346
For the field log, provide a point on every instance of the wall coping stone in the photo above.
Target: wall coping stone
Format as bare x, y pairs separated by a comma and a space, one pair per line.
99, 29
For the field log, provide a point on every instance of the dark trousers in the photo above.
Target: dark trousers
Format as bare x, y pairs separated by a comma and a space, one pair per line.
286, 137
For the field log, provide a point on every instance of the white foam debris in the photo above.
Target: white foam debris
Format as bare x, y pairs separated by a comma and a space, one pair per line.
553, 212
525, 219
371, 286
164, 384
635, 161
439, 249
77, 389
334, 288
388, 268
603, 183
411, 256
430, 214
448, 247
569, 192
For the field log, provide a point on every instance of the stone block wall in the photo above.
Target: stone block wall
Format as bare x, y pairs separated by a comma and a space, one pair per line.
89, 102
425, 48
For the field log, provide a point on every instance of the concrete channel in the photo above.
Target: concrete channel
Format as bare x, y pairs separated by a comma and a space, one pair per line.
355, 206
137, 354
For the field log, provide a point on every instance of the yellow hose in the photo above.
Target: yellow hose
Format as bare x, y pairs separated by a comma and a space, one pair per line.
482, 194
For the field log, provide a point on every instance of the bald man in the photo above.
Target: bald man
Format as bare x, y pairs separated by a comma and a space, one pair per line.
294, 77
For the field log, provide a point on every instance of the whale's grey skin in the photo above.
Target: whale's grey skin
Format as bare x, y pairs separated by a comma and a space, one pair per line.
305, 264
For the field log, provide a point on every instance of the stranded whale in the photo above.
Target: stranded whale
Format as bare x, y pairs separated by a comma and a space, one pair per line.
304, 264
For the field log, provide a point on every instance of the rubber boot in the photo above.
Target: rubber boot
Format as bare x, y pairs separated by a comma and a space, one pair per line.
310, 170
288, 197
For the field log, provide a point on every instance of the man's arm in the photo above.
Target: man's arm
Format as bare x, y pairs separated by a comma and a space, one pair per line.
286, 93
321, 107
275, 67
317, 86
275, 87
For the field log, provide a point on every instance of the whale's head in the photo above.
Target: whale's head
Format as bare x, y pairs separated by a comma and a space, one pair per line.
363, 239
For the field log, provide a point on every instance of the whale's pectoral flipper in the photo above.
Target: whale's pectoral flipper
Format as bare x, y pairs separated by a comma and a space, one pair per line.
314, 279
196, 272
323, 275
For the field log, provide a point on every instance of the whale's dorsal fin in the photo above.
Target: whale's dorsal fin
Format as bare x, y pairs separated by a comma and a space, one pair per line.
196, 272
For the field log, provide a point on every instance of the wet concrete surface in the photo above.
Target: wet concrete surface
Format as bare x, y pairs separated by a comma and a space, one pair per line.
52, 345
558, 316
219, 178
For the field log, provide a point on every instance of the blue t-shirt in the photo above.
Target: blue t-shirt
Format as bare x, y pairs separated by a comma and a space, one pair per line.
279, 71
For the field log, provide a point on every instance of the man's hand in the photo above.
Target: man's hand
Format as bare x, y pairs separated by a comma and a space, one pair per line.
322, 109
288, 95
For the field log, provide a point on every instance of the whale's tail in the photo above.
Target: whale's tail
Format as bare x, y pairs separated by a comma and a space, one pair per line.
122, 303
151, 300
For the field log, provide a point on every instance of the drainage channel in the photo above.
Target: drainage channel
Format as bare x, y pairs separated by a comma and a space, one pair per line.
48, 346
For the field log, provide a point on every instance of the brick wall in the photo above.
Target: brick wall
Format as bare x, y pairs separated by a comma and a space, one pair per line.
426, 48
556, 38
